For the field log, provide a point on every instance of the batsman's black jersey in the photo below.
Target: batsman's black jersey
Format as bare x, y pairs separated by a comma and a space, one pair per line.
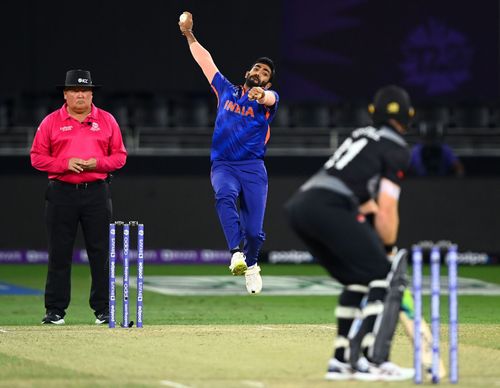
366, 156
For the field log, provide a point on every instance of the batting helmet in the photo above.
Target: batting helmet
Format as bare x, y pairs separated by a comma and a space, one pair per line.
391, 102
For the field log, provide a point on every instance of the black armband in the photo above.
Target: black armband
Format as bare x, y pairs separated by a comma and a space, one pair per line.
389, 247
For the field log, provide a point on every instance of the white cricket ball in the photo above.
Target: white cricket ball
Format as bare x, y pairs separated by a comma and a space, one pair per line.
183, 18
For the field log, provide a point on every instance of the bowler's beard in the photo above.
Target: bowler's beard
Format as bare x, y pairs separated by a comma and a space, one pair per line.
252, 81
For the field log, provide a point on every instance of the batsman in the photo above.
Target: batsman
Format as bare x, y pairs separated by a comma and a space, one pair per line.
363, 177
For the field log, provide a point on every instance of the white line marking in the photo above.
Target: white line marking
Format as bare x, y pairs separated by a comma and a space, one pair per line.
173, 384
327, 327
3, 331
283, 285
251, 383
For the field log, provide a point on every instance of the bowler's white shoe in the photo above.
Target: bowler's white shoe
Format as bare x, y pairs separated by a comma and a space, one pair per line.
253, 279
238, 264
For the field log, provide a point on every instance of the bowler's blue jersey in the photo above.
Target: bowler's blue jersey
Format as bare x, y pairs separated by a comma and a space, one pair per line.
242, 126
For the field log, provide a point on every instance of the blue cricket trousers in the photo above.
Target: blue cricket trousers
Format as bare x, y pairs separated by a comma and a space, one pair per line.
244, 182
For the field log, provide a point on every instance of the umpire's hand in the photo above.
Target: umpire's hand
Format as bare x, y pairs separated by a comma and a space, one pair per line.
90, 164
76, 165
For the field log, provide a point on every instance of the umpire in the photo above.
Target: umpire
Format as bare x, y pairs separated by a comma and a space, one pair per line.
328, 213
78, 145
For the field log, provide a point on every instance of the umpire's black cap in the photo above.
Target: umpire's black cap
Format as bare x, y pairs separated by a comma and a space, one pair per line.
78, 79
391, 102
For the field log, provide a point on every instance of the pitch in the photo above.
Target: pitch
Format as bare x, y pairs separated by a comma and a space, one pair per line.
210, 341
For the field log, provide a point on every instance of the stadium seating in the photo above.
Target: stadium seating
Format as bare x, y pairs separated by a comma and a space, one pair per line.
153, 123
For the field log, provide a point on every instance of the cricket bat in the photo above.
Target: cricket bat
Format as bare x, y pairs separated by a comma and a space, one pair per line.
426, 334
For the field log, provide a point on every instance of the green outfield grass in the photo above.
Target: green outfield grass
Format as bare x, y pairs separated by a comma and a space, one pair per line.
200, 310
208, 341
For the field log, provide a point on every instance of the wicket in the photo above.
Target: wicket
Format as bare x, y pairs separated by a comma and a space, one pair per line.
140, 273
435, 262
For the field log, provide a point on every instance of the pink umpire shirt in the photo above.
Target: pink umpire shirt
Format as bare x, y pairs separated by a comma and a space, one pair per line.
60, 137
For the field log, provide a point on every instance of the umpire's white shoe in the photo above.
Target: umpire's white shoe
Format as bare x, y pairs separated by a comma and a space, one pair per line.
253, 279
238, 264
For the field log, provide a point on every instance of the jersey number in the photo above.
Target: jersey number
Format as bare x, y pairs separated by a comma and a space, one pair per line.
346, 152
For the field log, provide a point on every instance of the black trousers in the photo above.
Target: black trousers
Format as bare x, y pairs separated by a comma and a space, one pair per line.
328, 224
66, 207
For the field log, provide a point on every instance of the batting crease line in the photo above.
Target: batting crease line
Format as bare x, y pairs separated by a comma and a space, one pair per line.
327, 327
252, 383
173, 384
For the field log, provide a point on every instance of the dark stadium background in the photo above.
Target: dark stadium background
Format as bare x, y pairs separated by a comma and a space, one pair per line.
330, 57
